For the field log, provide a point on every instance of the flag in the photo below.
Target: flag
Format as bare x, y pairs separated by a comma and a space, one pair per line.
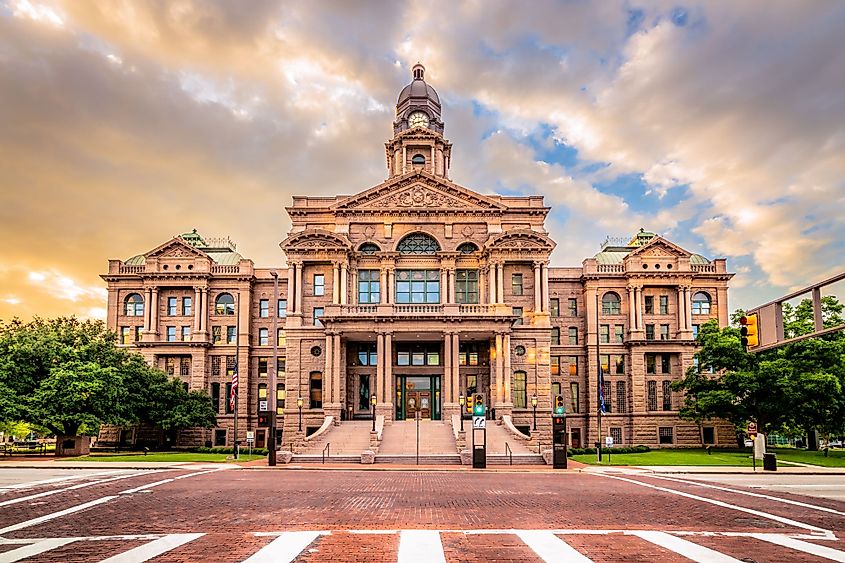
234, 388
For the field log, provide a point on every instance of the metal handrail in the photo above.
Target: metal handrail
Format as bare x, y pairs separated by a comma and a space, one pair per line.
327, 452
509, 453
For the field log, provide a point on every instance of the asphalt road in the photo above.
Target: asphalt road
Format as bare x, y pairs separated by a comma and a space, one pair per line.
221, 513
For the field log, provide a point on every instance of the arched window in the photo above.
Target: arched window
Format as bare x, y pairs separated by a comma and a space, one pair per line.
610, 304
134, 305
467, 248
224, 305
368, 248
315, 390
700, 304
418, 160
418, 243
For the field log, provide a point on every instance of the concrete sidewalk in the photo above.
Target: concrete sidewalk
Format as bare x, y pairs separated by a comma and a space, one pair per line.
716, 469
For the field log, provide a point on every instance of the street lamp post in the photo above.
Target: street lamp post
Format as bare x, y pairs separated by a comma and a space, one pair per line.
534, 404
271, 438
299, 404
373, 402
462, 401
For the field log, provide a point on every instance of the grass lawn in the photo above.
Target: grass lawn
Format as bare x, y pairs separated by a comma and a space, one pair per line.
718, 457
164, 456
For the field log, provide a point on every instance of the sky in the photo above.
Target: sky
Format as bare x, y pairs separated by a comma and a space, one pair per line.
719, 125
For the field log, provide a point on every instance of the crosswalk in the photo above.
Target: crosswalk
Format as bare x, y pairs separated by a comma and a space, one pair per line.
434, 546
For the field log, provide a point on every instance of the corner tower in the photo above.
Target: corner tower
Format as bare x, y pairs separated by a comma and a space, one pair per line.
418, 142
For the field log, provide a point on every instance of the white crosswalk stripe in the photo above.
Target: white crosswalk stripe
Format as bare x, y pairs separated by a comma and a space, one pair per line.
427, 545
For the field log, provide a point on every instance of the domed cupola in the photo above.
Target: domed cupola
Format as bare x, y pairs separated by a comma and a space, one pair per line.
418, 105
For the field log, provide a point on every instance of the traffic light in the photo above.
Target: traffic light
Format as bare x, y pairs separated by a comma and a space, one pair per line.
748, 331
478, 405
559, 406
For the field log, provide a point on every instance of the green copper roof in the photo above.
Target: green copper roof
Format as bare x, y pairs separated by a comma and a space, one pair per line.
220, 250
136, 260
193, 238
698, 259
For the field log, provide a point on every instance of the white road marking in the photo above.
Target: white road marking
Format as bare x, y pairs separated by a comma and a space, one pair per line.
32, 484
759, 495
33, 549
420, 546
686, 548
284, 548
774, 517
203, 472
551, 548
806, 547
152, 549
72, 488
59, 514
147, 486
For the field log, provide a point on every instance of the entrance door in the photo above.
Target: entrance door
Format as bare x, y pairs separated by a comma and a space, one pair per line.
418, 394
418, 401
575, 436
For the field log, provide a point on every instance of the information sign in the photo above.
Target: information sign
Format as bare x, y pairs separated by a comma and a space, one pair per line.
262, 405
479, 422
608, 441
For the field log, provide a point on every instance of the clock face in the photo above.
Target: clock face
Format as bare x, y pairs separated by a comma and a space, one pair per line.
418, 119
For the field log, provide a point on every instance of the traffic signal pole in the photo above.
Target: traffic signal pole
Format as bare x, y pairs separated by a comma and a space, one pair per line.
599, 383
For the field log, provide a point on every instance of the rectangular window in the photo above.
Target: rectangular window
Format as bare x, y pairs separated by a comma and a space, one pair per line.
280, 398
367, 355
417, 358
554, 306
215, 397
418, 355
708, 435
319, 284
520, 392
664, 304
171, 306
263, 336
263, 367
621, 397
608, 402
651, 386
369, 286
605, 363
604, 334
318, 314
516, 284
650, 363
573, 307
215, 365
468, 353
573, 335
124, 335
432, 358
186, 333
264, 308
466, 286
187, 306
517, 312
281, 365
363, 392
573, 365
231, 362
555, 336
619, 334
171, 334
616, 434
665, 435
695, 329
555, 387
226, 400
574, 398
219, 437
315, 390
282, 308
649, 305
403, 358
666, 363
664, 332
417, 286
138, 330
170, 365
667, 395
281, 339
620, 365
554, 365
230, 335
649, 332
216, 334
262, 394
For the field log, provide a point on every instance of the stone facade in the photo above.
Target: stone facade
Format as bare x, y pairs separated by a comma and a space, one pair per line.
417, 293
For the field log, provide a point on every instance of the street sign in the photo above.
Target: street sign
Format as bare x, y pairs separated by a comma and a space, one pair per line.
479, 422
752, 428
250, 435
608, 441
262, 405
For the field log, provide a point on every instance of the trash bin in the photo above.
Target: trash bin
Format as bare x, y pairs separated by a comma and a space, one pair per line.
770, 462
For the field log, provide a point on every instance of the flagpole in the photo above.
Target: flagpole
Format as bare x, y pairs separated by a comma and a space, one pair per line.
600, 379
236, 390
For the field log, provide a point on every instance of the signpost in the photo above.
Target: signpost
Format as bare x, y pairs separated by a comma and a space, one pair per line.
479, 424
250, 439
559, 440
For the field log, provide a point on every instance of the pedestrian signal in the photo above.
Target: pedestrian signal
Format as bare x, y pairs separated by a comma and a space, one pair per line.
748, 331
559, 407
478, 405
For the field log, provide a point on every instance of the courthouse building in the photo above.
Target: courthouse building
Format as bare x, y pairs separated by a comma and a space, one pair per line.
416, 293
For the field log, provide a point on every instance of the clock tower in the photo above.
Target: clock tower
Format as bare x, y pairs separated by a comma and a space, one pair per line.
418, 142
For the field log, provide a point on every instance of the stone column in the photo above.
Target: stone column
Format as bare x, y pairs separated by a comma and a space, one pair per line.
154, 311
337, 370
632, 312
682, 313
148, 309
380, 385
291, 289
344, 289
500, 282
482, 281
456, 368
638, 292
444, 285
506, 371
335, 283
388, 370
499, 390
688, 301
491, 291
452, 283
544, 296
354, 293
404, 159
391, 285
328, 377
447, 368
197, 308
538, 288
298, 288
383, 286
204, 310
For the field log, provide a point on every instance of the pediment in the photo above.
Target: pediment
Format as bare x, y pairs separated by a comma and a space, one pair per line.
176, 248
521, 240
659, 248
315, 240
420, 191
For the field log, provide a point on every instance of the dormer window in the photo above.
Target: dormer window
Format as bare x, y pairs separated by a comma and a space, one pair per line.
418, 160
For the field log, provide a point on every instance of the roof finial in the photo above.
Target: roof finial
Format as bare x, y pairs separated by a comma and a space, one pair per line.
419, 71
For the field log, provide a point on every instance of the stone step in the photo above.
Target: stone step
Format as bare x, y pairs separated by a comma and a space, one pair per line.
310, 458
518, 459
424, 459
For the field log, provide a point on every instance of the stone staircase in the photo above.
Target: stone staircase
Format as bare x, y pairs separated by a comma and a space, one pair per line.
497, 437
436, 443
346, 442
